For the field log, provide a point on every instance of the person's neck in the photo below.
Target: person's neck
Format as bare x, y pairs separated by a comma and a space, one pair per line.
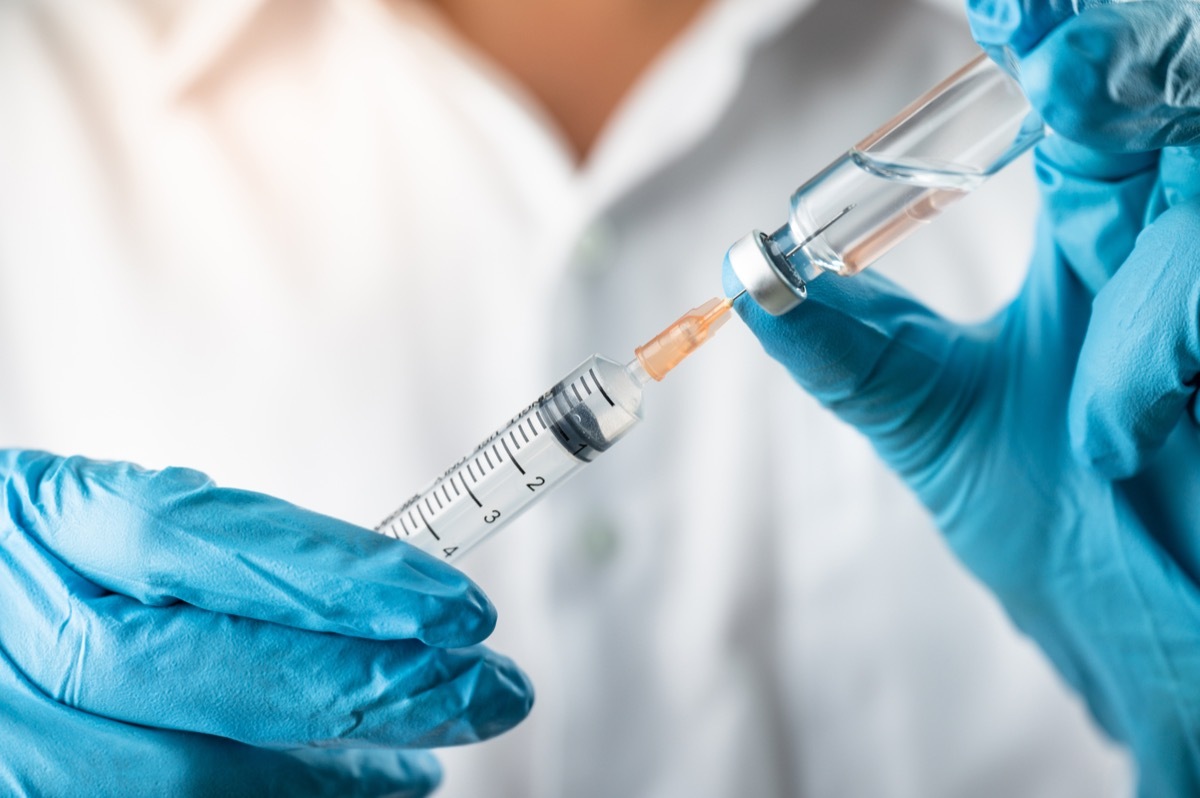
578, 58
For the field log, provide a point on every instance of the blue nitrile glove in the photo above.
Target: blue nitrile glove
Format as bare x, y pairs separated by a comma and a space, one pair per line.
1124, 78
1104, 574
163, 636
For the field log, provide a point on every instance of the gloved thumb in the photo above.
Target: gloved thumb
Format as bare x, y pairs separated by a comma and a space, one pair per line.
1120, 77
873, 355
1140, 361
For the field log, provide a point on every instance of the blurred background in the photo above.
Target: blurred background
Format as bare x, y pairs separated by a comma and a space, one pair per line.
320, 248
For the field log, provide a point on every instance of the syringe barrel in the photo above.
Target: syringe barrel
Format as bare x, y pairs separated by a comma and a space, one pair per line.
938, 149
583, 415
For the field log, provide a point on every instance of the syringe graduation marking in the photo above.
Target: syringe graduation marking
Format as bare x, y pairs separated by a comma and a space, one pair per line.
478, 503
562, 436
600, 387
413, 518
472, 495
483, 463
427, 526
510, 456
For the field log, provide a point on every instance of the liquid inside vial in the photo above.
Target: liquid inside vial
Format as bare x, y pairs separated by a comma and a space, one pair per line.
860, 207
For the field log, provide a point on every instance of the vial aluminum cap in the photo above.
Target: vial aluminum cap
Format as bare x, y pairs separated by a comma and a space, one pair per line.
774, 290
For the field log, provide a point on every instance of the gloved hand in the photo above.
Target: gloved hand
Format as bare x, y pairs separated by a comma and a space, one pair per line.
163, 636
1120, 79
1103, 573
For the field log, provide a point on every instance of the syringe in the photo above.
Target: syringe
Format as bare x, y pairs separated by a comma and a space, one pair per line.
572, 424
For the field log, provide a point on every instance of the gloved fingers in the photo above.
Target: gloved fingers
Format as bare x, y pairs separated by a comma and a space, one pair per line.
1096, 203
875, 356
1121, 77
1179, 177
172, 535
1018, 25
259, 683
372, 772
1140, 360
52, 749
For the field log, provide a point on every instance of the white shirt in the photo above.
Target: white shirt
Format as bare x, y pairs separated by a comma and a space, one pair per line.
318, 249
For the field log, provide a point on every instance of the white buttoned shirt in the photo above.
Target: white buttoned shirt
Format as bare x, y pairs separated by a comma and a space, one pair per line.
320, 249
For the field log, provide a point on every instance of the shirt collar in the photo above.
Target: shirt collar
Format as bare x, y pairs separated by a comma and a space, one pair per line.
684, 95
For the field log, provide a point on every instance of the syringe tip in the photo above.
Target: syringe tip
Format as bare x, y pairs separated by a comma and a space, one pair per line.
669, 348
